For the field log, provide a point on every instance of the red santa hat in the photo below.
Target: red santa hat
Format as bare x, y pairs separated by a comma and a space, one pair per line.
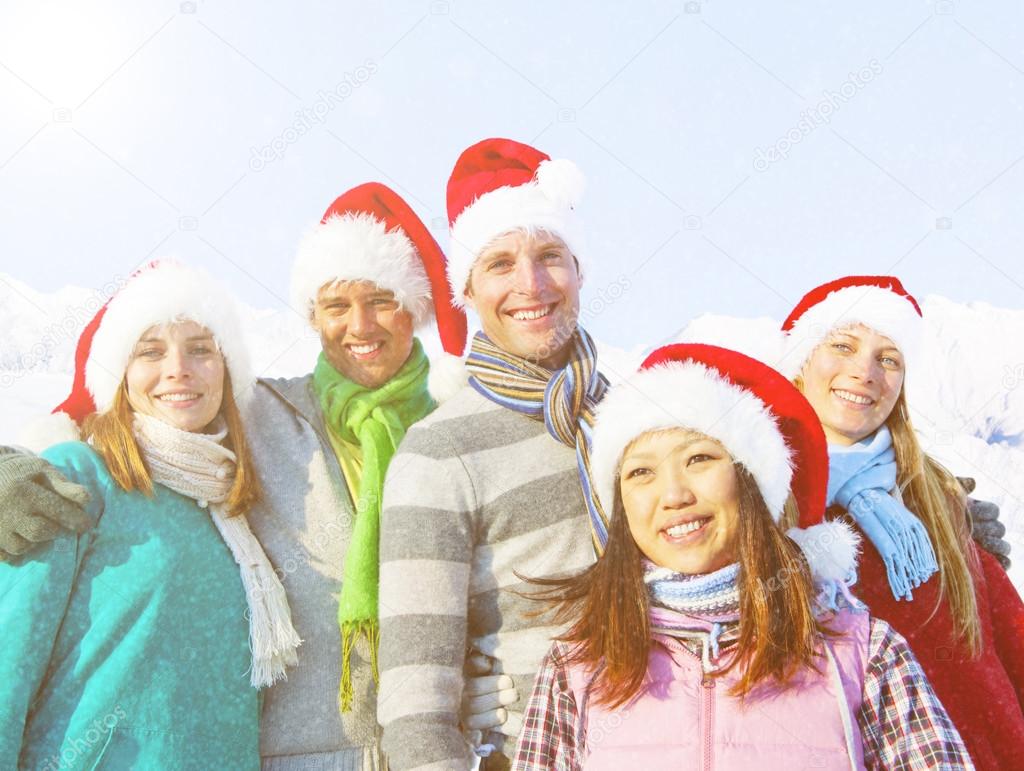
754, 412
371, 234
500, 185
162, 292
878, 302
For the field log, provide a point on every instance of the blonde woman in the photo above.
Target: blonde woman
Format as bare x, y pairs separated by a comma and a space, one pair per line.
143, 643
851, 346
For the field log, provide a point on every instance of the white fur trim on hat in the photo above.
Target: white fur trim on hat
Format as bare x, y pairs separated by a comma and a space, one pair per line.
546, 203
880, 309
166, 292
691, 396
48, 430
831, 549
447, 376
359, 247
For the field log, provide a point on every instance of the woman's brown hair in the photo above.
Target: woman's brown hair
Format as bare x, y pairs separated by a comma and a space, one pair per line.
606, 606
111, 435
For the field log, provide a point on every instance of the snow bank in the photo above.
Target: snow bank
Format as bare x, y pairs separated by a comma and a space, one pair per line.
966, 395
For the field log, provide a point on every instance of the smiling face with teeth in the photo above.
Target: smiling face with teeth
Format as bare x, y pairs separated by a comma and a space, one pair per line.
525, 287
366, 335
176, 374
680, 494
853, 380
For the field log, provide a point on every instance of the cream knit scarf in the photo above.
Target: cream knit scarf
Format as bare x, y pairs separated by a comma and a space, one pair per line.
200, 467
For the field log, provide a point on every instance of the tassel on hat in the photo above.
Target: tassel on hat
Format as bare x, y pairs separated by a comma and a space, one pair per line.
500, 185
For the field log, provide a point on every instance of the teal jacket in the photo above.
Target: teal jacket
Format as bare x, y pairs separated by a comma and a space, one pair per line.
127, 646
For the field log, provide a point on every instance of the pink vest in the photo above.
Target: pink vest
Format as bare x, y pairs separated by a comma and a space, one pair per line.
683, 720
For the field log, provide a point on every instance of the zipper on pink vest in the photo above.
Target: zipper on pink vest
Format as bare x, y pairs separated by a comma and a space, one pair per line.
707, 713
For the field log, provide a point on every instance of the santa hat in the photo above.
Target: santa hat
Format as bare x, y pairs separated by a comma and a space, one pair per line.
754, 412
371, 234
161, 292
878, 302
500, 185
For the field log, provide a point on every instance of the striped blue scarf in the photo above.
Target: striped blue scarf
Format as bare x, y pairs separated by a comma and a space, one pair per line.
701, 611
564, 399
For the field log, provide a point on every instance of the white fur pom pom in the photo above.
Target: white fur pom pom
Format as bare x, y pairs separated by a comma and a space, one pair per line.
447, 376
831, 549
47, 431
561, 181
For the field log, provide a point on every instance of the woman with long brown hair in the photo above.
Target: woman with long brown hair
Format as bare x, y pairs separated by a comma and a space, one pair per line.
851, 344
704, 637
143, 642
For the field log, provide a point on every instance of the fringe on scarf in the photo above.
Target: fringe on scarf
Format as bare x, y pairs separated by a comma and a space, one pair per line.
351, 631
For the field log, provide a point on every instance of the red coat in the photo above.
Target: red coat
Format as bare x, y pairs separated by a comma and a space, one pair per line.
983, 696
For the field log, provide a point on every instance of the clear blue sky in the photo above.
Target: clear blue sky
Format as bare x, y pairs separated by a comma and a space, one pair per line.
130, 129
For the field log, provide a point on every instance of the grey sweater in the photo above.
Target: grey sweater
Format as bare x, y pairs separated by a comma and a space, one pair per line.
304, 524
475, 494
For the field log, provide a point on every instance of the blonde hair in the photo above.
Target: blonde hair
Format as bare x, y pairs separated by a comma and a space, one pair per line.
111, 435
939, 501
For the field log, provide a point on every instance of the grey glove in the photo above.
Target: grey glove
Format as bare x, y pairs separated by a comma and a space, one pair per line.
484, 700
986, 528
37, 503
485, 696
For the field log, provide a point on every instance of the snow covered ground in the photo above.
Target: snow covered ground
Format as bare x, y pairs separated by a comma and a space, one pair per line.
966, 395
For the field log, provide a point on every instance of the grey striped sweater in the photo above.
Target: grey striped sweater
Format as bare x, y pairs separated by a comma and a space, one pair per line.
475, 494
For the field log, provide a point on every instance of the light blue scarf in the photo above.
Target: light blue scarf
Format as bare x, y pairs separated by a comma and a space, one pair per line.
860, 478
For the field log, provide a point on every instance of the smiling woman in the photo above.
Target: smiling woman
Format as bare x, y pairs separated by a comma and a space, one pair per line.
702, 613
176, 374
853, 381
692, 477
852, 344
113, 627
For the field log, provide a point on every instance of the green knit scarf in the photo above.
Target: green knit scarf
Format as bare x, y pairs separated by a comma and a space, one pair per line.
376, 419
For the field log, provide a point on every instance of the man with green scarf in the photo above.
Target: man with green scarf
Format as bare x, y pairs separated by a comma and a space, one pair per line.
367, 276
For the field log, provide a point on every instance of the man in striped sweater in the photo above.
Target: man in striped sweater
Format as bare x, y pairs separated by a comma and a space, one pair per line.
486, 490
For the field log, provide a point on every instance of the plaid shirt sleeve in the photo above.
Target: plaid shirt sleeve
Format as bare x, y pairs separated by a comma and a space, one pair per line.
548, 738
902, 721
